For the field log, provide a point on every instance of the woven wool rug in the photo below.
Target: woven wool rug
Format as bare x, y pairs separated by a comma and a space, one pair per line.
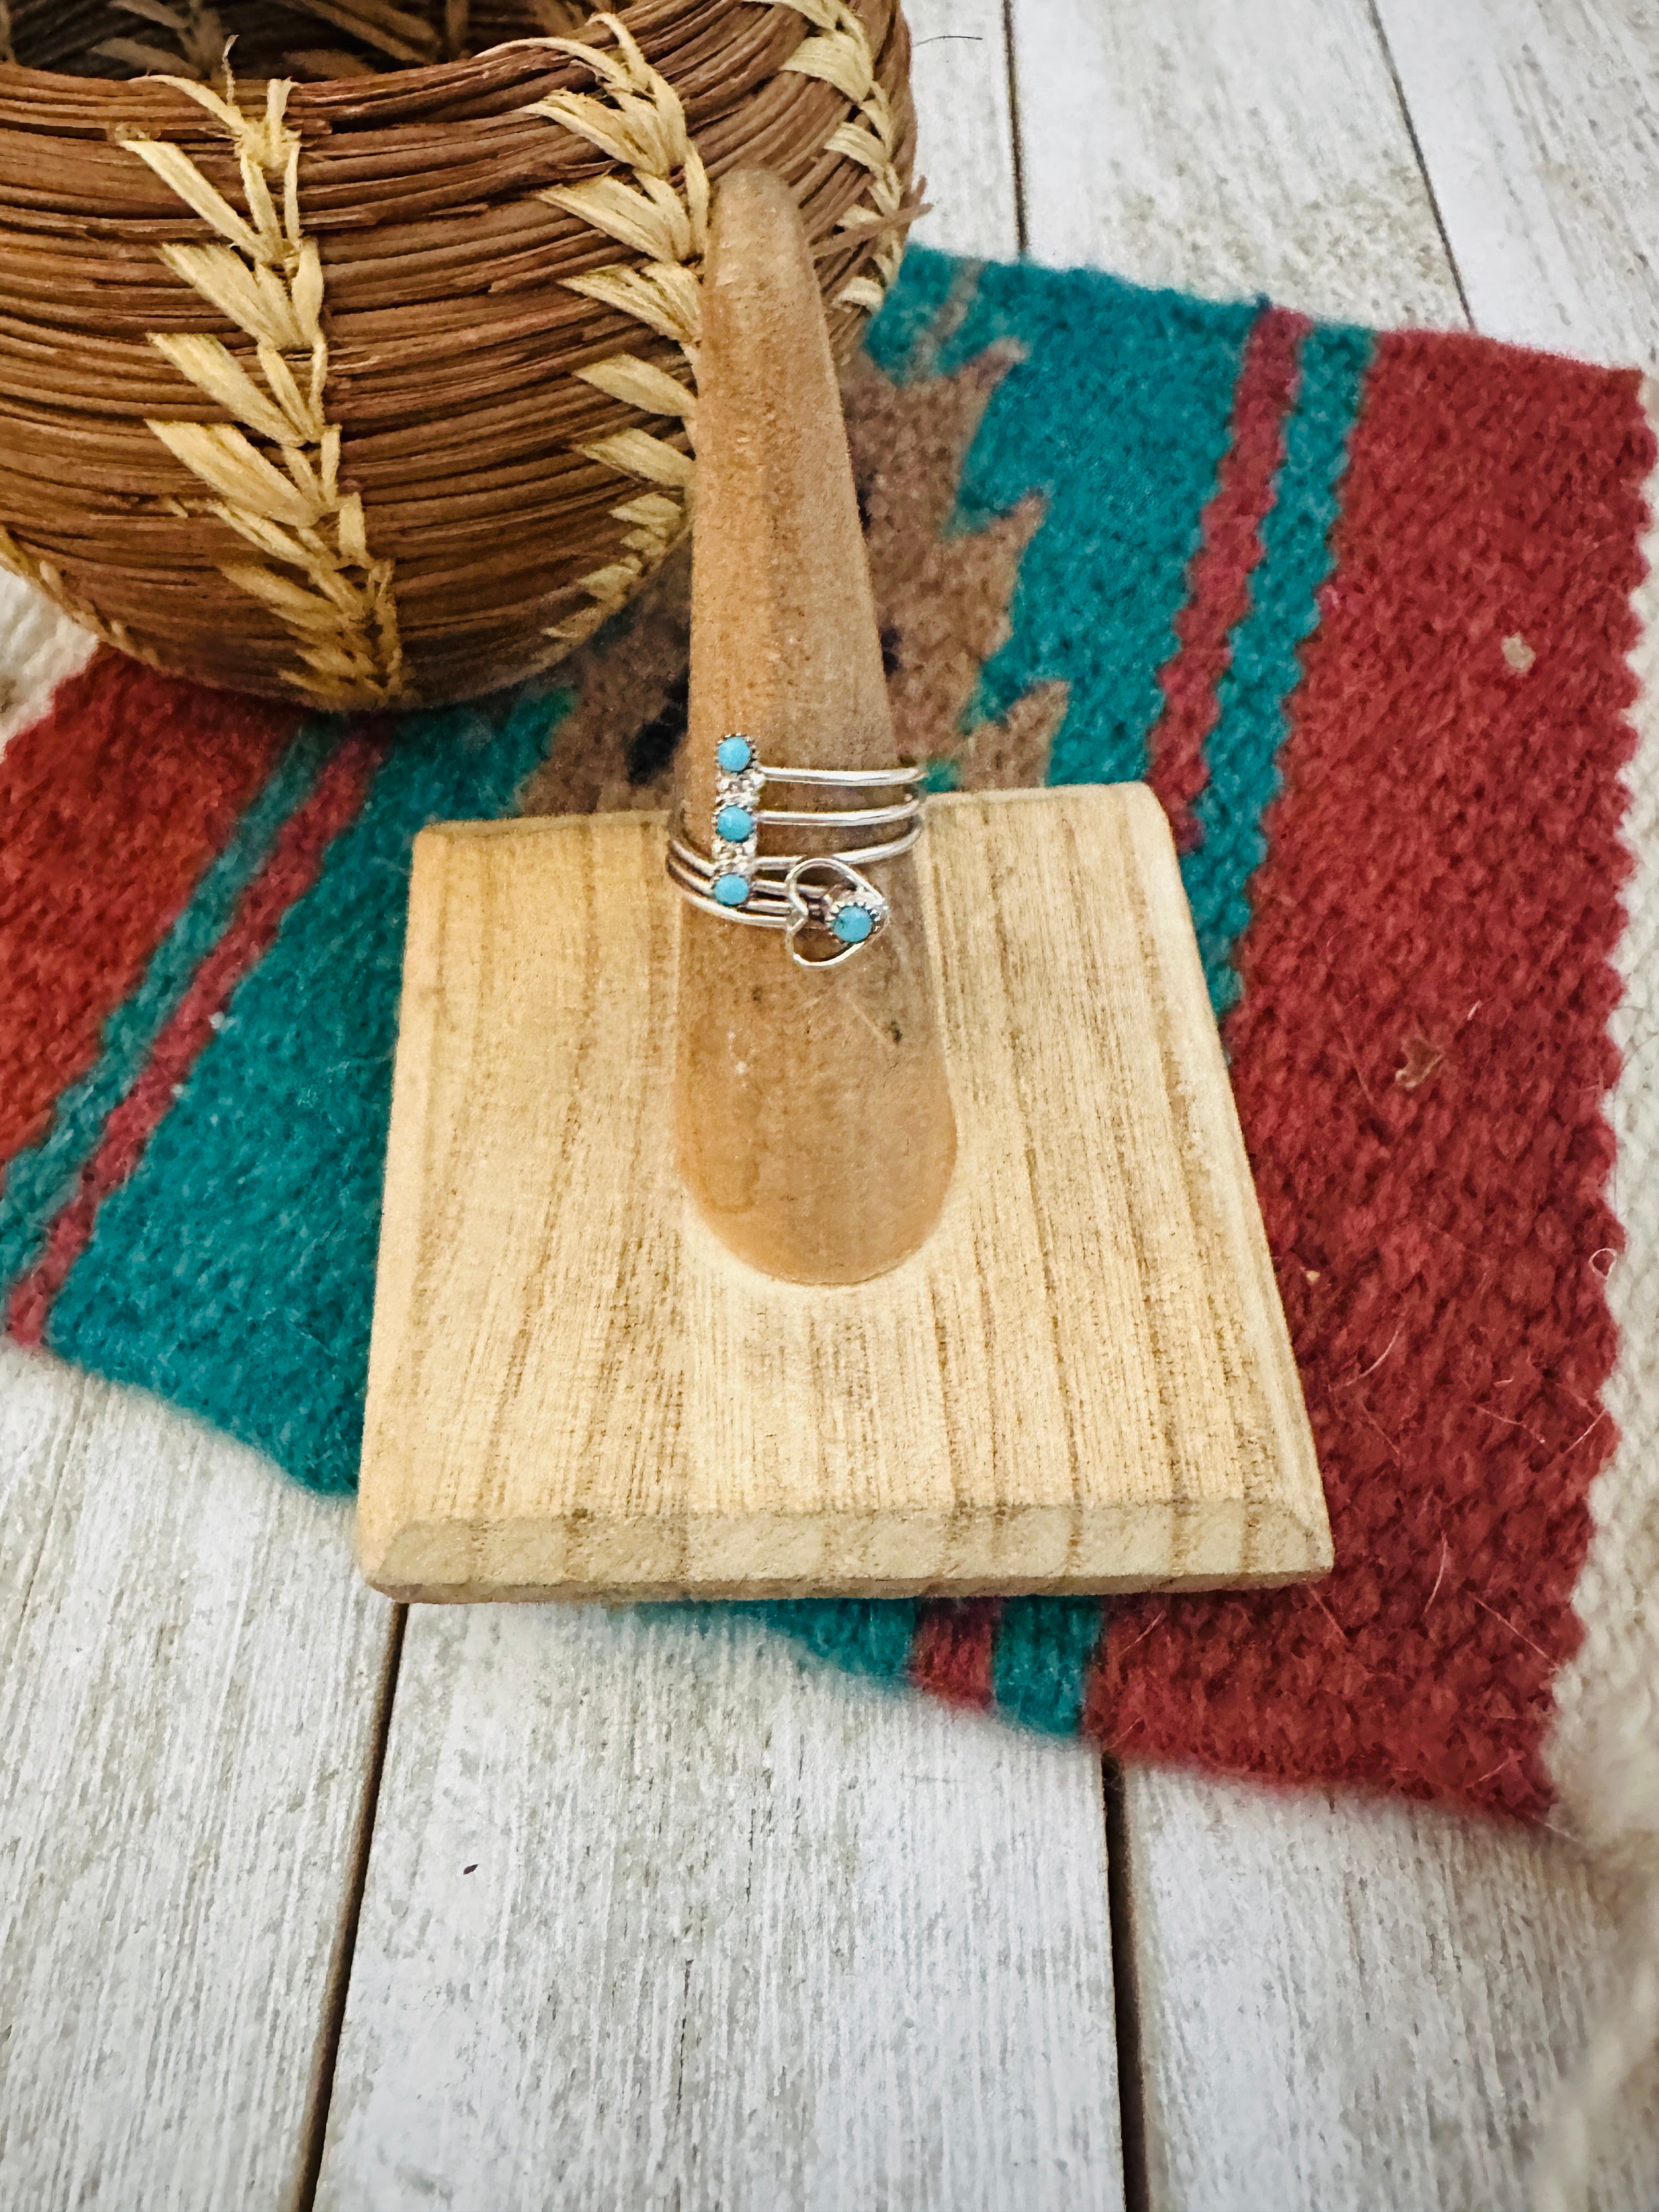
1363, 610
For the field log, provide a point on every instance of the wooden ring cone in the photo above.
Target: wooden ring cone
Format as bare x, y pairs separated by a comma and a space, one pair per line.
812, 1112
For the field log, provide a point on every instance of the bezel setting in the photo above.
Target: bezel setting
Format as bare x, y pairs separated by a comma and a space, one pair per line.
868, 900
807, 896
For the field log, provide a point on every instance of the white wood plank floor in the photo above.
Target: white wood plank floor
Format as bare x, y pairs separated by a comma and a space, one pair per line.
643, 1913
188, 1714
663, 1915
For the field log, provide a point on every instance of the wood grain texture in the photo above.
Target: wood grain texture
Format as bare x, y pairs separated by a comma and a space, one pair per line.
811, 1111
1228, 150
664, 1915
1350, 2005
186, 1714
1082, 1382
1539, 121
964, 143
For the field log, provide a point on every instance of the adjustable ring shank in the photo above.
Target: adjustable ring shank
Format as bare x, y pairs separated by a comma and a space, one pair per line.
837, 818
848, 778
786, 891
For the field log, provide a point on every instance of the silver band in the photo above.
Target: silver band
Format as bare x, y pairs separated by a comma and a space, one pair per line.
794, 892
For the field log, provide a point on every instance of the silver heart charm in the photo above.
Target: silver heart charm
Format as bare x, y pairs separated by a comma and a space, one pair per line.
852, 911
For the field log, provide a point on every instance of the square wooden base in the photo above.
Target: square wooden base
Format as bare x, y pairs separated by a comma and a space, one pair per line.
1082, 1381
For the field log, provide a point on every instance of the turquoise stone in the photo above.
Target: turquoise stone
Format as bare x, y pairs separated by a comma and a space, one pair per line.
735, 823
852, 924
734, 754
730, 890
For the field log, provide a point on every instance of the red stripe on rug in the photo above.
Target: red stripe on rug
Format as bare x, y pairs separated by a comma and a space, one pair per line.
113, 803
1218, 584
951, 1648
336, 800
1420, 1057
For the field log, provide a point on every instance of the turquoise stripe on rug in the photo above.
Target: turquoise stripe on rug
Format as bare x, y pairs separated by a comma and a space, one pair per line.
1040, 1661
40, 1179
235, 1271
1244, 748
1118, 415
862, 1636
1044, 1648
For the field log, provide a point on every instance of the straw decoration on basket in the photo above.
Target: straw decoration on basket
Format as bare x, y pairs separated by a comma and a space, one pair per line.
639, 120
438, 326
267, 280
841, 57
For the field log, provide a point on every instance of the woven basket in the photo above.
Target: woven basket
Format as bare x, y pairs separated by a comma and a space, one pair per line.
380, 388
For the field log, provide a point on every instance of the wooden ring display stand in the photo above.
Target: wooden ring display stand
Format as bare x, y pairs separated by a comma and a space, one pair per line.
957, 1282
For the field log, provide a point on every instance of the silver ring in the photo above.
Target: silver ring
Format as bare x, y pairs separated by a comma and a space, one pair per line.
795, 891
